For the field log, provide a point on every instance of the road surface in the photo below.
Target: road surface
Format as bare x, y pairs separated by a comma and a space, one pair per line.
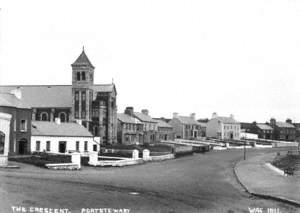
197, 183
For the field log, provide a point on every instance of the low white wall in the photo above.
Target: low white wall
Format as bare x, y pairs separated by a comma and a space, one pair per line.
246, 135
284, 144
161, 157
275, 169
70, 143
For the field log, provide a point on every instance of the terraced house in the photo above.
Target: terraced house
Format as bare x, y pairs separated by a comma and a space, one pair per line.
130, 129
225, 128
186, 127
285, 131
20, 122
263, 131
149, 126
164, 130
92, 105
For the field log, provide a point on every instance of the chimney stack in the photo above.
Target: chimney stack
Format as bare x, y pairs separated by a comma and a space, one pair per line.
231, 116
175, 115
272, 122
145, 111
289, 121
129, 111
214, 115
193, 116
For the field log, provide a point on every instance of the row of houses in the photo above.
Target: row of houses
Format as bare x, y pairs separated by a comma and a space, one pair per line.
274, 130
77, 117
140, 127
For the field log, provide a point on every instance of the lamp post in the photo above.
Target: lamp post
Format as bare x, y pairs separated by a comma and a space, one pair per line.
245, 146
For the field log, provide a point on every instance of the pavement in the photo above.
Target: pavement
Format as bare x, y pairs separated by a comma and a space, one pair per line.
261, 181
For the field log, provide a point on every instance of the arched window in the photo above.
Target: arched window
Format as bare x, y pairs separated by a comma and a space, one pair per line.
62, 116
44, 116
2, 142
78, 76
83, 76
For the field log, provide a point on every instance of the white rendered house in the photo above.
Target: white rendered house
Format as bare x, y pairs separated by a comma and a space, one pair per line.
225, 128
57, 137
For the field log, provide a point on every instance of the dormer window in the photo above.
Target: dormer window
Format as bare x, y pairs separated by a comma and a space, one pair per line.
83, 76
78, 76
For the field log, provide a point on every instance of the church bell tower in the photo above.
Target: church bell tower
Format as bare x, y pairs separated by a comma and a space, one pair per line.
82, 93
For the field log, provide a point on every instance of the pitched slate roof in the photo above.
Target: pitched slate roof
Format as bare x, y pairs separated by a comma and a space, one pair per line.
284, 125
10, 100
56, 96
46, 128
82, 60
144, 118
203, 124
264, 126
188, 120
226, 120
162, 123
127, 118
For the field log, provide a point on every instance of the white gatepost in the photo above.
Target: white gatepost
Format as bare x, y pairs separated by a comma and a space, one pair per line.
76, 159
227, 145
146, 155
93, 158
254, 144
135, 154
4, 138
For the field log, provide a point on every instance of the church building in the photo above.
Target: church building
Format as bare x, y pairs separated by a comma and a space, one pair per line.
92, 105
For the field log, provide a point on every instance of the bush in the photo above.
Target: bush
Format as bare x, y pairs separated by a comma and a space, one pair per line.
285, 162
41, 159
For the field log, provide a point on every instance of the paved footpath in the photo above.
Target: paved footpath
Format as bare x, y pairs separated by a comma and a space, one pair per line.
258, 179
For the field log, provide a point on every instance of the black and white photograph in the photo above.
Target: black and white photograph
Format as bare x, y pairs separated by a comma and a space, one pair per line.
149, 106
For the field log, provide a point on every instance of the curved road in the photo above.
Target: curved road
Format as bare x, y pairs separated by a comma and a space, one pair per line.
197, 183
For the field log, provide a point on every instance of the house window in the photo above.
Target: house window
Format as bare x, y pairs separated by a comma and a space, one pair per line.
23, 126
44, 116
2, 142
48, 146
85, 146
77, 146
37, 146
83, 114
83, 96
63, 117
83, 76
95, 148
76, 96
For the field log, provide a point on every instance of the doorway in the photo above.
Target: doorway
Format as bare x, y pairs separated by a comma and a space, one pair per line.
22, 146
62, 146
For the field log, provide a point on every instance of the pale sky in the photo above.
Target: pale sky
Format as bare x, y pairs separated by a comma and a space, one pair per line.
230, 57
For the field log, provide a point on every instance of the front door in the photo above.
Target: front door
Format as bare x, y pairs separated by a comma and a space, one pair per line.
62, 146
22, 146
